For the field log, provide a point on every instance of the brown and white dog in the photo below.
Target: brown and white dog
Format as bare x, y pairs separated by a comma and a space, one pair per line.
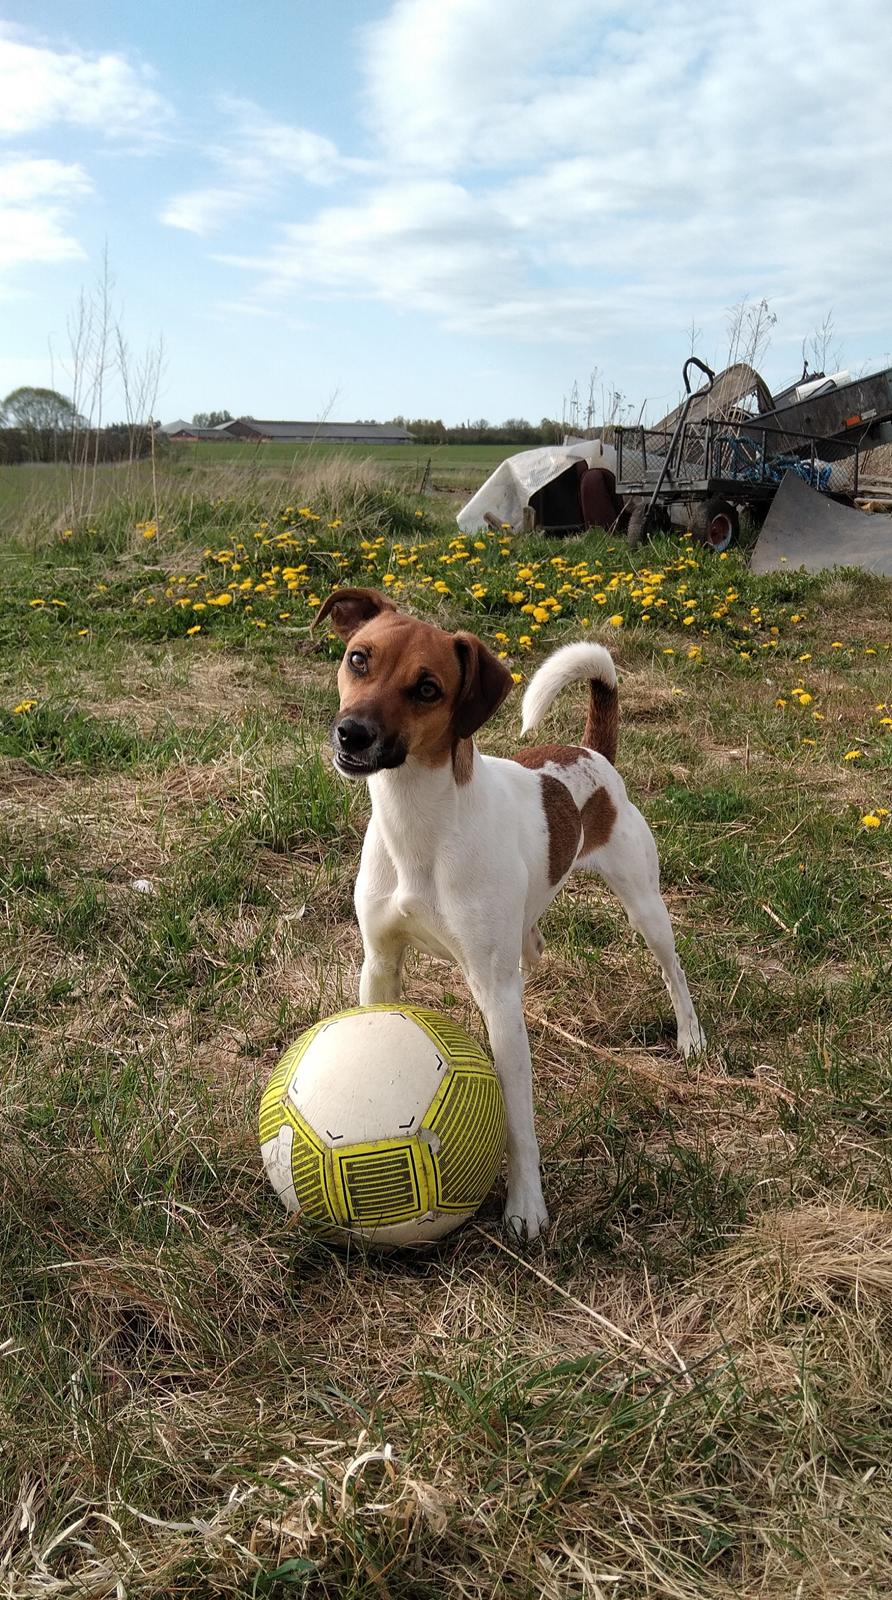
465, 852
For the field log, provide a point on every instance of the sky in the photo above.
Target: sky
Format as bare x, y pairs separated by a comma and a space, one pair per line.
447, 208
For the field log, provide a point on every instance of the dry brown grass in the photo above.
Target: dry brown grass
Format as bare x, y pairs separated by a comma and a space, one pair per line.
683, 1394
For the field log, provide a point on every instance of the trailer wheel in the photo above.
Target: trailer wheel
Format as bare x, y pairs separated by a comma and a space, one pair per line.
719, 525
637, 523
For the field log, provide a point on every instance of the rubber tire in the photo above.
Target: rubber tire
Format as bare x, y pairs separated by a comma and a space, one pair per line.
719, 525
637, 519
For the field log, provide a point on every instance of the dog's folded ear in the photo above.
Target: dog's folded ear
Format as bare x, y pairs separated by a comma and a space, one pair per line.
485, 681
350, 608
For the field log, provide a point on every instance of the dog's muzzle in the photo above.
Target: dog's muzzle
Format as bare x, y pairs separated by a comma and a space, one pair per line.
360, 747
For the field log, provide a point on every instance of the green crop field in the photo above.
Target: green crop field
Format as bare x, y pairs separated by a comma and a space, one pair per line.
449, 462
685, 1391
46, 490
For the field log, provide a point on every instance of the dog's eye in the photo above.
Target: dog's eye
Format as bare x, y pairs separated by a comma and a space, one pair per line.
356, 661
427, 690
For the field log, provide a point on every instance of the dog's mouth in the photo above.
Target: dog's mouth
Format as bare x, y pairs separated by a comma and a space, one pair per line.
365, 763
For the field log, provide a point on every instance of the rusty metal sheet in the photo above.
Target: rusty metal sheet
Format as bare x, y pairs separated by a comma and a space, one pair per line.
808, 530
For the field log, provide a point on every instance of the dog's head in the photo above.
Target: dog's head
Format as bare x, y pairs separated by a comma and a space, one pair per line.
407, 687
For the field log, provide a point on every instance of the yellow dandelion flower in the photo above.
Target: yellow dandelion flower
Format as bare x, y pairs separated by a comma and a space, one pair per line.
870, 821
517, 677
22, 707
853, 755
196, 628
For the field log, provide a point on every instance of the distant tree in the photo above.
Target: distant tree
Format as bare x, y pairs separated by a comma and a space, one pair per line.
211, 419
426, 430
39, 411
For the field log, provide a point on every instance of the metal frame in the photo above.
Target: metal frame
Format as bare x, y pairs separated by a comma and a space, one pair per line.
703, 460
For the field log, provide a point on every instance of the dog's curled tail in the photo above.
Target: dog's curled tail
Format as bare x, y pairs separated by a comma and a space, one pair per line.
573, 663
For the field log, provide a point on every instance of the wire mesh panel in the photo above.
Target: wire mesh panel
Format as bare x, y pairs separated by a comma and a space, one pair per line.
750, 458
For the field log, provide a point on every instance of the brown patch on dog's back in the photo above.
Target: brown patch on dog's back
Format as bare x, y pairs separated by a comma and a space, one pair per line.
598, 816
564, 826
559, 755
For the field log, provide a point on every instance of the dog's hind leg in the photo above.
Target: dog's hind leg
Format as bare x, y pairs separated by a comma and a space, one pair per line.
629, 865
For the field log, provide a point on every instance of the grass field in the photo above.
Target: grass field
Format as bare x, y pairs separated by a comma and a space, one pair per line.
41, 492
685, 1392
450, 463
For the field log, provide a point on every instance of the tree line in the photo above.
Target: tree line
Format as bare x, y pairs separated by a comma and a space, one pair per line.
44, 425
41, 425
516, 430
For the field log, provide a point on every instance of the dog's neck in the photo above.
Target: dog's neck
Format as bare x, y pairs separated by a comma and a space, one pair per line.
416, 805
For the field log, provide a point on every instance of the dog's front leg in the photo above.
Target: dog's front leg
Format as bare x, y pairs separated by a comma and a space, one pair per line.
381, 978
384, 950
500, 1000
383, 941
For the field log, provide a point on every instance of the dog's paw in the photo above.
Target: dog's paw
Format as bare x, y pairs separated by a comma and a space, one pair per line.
525, 1215
692, 1042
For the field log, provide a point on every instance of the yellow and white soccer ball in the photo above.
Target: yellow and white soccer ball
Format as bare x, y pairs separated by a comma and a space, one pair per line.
384, 1123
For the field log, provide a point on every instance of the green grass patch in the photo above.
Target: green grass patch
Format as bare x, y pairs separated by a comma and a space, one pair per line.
683, 1393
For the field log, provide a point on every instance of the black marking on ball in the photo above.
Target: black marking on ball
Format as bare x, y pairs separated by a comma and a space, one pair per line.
405, 1126
333, 1136
440, 1064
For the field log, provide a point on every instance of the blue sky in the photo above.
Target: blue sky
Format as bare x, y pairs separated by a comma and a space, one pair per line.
442, 207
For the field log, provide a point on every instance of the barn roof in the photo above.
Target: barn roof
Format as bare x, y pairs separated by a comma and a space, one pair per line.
269, 429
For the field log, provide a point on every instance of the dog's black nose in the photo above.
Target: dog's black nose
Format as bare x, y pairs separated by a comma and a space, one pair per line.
354, 735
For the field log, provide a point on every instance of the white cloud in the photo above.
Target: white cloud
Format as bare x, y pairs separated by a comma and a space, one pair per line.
35, 197
41, 85
28, 180
577, 172
427, 244
440, 79
255, 162
261, 143
202, 210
